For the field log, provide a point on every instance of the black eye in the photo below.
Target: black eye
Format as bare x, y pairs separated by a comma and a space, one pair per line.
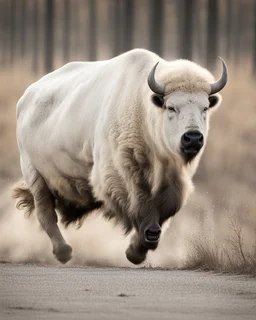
206, 109
157, 100
171, 109
213, 101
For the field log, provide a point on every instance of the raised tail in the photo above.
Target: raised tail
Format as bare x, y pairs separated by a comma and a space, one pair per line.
21, 192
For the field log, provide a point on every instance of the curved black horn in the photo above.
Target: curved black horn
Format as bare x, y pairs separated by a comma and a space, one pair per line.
220, 84
153, 85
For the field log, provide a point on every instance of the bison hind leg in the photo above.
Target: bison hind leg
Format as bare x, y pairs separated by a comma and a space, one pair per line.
22, 193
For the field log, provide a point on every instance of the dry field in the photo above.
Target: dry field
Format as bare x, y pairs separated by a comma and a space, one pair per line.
217, 227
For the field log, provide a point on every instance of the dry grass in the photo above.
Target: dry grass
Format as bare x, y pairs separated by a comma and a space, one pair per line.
228, 256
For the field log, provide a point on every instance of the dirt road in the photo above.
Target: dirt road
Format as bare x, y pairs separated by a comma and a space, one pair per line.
38, 292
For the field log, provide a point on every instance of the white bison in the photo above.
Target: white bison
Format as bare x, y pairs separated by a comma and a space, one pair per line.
109, 135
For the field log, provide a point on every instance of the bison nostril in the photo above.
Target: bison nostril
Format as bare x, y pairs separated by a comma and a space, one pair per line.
186, 138
201, 139
152, 234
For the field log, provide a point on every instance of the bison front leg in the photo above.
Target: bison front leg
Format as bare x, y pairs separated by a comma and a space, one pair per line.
147, 234
136, 252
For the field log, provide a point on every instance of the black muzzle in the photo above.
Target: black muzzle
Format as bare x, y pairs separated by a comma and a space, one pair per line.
152, 233
191, 143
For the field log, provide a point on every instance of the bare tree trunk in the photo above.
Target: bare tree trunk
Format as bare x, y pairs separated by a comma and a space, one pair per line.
92, 30
76, 23
254, 43
129, 17
237, 22
49, 35
229, 27
115, 18
12, 38
23, 28
156, 31
4, 17
241, 48
212, 33
198, 33
244, 29
185, 28
35, 36
66, 37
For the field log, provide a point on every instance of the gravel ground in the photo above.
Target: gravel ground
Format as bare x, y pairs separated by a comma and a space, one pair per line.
43, 292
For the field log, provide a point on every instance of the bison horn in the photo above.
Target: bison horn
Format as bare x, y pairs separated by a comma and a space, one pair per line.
156, 87
220, 84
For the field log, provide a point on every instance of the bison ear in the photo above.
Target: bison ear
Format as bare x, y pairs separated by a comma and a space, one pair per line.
158, 100
214, 100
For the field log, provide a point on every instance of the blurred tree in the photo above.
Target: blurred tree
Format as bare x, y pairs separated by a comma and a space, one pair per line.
92, 28
185, 28
49, 35
129, 18
12, 39
198, 31
23, 20
240, 43
4, 30
66, 29
35, 35
115, 20
121, 17
76, 22
254, 42
212, 33
229, 9
156, 29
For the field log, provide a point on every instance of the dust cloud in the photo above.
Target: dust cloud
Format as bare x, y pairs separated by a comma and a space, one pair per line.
199, 236
98, 242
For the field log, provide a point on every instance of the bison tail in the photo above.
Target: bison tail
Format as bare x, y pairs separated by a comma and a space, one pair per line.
25, 198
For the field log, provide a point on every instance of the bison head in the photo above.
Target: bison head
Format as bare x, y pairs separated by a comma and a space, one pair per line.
186, 107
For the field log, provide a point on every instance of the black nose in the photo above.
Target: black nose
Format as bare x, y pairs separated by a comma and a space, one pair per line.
152, 233
192, 141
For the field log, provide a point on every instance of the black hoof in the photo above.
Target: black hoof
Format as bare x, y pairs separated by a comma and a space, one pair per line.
134, 256
152, 233
63, 253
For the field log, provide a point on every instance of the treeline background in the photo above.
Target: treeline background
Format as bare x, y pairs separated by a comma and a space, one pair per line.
48, 33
